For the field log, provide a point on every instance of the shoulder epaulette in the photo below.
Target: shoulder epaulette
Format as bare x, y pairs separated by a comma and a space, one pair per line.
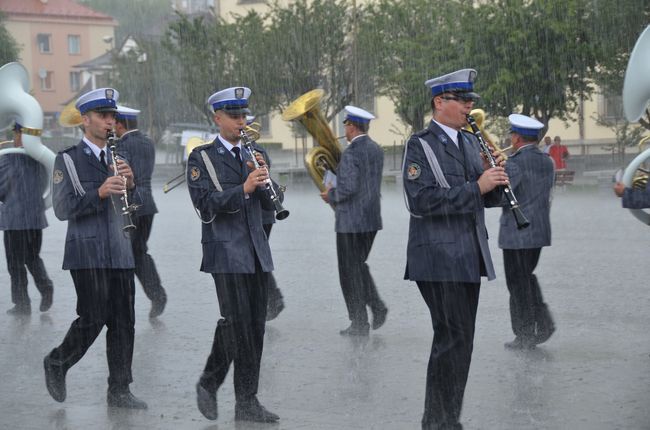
422, 132
68, 149
202, 146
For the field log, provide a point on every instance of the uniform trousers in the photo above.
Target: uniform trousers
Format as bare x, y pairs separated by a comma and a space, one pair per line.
105, 297
452, 306
357, 285
145, 268
22, 249
527, 306
239, 336
274, 293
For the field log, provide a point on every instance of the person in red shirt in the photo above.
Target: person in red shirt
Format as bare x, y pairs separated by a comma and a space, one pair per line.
558, 153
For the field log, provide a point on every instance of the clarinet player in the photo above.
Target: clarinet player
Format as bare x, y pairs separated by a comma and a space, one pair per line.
97, 252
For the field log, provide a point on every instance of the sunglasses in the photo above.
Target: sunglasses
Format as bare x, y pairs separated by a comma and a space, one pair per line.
459, 97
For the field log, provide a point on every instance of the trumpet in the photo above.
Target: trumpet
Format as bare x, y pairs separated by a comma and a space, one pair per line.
520, 218
126, 209
280, 212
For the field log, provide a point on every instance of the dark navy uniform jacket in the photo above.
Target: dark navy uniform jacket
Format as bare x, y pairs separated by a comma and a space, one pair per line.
95, 239
142, 158
356, 197
23, 181
268, 217
636, 199
531, 178
449, 242
235, 236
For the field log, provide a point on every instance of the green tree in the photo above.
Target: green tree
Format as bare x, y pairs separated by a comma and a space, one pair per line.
626, 21
412, 41
541, 58
9, 49
533, 57
200, 47
135, 18
148, 78
311, 46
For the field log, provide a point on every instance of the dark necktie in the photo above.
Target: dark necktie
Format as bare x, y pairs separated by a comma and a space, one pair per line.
236, 150
102, 158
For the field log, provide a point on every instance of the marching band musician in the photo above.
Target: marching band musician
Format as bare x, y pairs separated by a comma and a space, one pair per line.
236, 253
447, 186
97, 252
356, 201
531, 176
22, 217
142, 158
633, 198
275, 300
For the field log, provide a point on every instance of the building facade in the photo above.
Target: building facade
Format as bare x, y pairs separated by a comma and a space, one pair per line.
54, 36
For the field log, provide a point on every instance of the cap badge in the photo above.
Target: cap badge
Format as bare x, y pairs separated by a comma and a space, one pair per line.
109, 94
239, 93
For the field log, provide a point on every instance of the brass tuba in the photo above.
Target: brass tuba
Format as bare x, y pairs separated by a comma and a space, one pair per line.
479, 117
70, 116
636, 95
327, 155
16, 104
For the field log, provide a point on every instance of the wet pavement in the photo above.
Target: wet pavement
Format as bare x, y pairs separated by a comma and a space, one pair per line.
594, 373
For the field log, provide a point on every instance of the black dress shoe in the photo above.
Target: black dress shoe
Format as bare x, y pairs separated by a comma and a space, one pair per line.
124, 399
46, 302
54, 380
20, 310
207, 402
356, 330
520, 343
252, 410
379, 318
158, 306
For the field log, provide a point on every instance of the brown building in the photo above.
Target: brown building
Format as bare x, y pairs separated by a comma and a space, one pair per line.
54, 36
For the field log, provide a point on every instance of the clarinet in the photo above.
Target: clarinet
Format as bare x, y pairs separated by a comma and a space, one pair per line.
280, 212
520, 218
126, 209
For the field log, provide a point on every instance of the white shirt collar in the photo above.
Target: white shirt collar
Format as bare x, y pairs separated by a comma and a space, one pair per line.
451, 132
229, 146
96, 149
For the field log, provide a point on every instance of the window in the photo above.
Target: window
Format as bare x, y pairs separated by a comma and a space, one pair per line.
43, 41
75, 81
74, 44
47, 80
265, 124
611, 106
